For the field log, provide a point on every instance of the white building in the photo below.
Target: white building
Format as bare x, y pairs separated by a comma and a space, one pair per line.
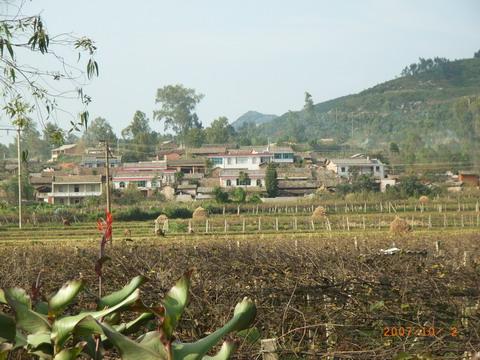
361, 166
251, 157
73, 189
67, 149
233, 178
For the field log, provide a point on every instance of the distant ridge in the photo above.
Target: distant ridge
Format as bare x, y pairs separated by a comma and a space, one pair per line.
253, 117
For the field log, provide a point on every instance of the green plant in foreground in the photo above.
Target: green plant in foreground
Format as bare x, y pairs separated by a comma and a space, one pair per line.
41, 328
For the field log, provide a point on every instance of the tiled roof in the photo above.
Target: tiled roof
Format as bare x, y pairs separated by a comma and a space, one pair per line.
357, 162
236, 172
77, 179
186, 162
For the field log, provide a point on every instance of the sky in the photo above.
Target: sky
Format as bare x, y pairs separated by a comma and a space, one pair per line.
254, 54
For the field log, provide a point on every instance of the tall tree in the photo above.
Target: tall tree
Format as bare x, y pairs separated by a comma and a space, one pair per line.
219, 131
99, 130
271, 181
140, 140
177, 109
53, 134
32, 144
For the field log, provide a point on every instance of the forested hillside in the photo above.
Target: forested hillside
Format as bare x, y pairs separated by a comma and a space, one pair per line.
432, 112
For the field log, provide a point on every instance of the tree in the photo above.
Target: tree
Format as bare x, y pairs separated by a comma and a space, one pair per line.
394, 149
53, 134
243, 179
140, 140
477, 55
31, 142
195, 137
27, 87
10, 188
220, 195
98, 131
239, 195
177, 109
219, 131
271, 181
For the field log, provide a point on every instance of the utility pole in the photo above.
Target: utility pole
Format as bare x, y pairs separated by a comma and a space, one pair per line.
19, 160
107, 175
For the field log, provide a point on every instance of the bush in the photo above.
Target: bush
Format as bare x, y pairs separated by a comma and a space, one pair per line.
178, 212
177, 227
220, 195
239, 195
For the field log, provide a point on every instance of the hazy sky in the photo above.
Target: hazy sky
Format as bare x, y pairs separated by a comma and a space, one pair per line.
256, 54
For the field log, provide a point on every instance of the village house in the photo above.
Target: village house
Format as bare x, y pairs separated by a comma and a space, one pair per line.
468, 178
252, 157
145, 175
67, 149
187, 166
361, 166
233, 178
74, 189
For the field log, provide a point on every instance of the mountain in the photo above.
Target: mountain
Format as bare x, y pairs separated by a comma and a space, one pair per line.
252, 117
432, 112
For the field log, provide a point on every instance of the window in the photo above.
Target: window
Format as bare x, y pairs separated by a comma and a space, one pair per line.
247, 181
141, 183
265, 159
217, 161
287, 156
121, 185
377, 168
76, 188
342, 169
241, 160
229, 161
277, 156
229, 182
259, 183
254, 160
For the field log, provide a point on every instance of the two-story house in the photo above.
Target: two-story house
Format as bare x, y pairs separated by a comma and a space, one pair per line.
360, 166
73, 189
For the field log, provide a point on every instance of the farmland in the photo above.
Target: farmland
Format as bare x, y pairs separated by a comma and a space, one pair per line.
323, 287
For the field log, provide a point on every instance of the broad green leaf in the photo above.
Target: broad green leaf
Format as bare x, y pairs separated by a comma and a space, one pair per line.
41, 307
26, 319
86, 327
19, 296
58, 302
70, 353
227, 349
118, 296
3, 300
7, 328
175, 301
243, 316
130, 350
62, 328
39, 344
135, 324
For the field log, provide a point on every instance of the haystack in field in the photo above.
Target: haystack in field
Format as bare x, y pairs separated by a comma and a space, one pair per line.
399, 226
319, 212
200, 213
161, 219
423, 200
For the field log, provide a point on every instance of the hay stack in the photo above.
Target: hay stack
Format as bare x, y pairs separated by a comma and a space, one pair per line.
423, 200
161, 218
319, 212
399, 226
199, 213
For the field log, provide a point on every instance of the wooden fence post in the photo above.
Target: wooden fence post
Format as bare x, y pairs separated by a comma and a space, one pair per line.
190, 229
259, 224
295, 223
225, 225
238, 210
206, 226
313, 225
243, 225
276, 224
